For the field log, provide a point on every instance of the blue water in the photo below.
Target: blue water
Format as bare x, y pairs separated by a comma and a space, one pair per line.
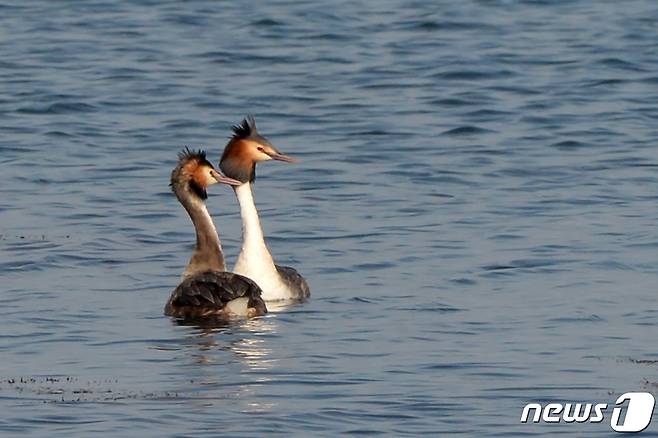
475, 212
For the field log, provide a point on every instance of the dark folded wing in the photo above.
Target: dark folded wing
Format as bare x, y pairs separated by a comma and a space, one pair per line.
294, 281
210, 291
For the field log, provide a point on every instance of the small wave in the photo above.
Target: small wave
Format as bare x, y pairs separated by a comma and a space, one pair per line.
59, 108
464, 281
373, 266
451, 102
266, 22
606, 82
434, 25
620, 64
473, 75
577, 319
568, 145
466, 130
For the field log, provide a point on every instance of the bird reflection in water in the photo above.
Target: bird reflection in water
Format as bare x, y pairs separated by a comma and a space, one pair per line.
245, 338
219, 360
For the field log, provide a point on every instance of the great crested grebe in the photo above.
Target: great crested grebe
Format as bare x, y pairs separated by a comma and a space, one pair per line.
246, 148
206, 289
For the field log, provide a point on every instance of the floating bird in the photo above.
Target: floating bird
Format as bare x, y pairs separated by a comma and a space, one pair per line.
207, 289
246, 148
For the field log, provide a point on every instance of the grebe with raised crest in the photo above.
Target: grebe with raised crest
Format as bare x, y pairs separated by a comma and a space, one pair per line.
207, 289
246, 148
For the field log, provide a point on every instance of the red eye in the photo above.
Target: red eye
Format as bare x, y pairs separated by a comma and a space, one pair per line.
261, 149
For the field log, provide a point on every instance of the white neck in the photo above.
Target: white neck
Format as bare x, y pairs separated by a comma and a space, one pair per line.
255, 260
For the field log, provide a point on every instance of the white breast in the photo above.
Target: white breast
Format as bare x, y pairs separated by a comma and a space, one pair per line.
265, 275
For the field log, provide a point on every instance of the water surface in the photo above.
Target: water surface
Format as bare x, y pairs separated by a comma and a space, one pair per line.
475, 212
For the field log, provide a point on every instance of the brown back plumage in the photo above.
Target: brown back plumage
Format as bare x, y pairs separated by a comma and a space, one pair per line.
207, 293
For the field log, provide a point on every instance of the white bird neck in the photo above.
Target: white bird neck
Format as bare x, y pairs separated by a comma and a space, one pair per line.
253, 241
255, 260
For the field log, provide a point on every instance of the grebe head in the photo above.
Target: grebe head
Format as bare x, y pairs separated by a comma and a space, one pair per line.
246, 148
194, 173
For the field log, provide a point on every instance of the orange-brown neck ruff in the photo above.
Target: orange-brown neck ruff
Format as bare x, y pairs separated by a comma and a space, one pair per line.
199, 181
237, 162
189, 173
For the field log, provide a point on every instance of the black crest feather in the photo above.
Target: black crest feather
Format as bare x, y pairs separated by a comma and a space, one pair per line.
185, 156
246, 128
188, 154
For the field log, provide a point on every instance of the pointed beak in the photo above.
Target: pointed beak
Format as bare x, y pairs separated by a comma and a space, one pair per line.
225, 179
285, 158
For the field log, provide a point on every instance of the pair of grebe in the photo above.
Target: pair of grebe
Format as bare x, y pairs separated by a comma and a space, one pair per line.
207, 289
